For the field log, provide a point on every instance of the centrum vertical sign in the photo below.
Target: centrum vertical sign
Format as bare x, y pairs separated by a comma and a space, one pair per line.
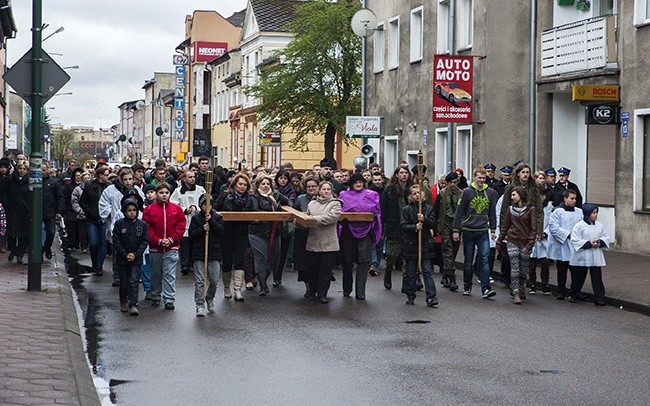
180, 66
452, 88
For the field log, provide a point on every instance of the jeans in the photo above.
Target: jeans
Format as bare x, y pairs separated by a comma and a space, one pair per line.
376, 253
50, 231
97, 241
145, 273
214, 267
410, 278
163, 275
129, 275
480, 240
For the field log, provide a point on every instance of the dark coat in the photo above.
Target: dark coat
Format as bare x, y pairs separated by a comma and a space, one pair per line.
89, 201
559, 189
225, 201
130, 236
260, 203
53, 202
17, 208
68, 188
391, 211
410, 235
197, 236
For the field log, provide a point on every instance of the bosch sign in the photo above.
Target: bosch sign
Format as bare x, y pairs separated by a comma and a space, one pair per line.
602, 114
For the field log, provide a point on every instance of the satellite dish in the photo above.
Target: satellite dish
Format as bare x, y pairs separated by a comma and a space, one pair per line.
139, 105
364, 22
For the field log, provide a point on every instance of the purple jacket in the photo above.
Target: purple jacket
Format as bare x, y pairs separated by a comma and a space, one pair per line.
365, 201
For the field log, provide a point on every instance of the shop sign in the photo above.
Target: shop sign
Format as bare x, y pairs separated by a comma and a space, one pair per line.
595, 93
602, 114
270, 138
452, 88
362, 126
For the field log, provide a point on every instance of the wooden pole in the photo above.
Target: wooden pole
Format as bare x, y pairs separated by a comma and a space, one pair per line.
420, 167
208, 207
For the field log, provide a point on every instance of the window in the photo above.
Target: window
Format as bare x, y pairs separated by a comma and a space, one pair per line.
441, 151
641, 182
465, 24
417, 34
641, 12
378, 49
393, 43
464, 148
443, 27
604, 7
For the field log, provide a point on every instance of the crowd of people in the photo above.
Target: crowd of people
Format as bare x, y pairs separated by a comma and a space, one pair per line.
157, 220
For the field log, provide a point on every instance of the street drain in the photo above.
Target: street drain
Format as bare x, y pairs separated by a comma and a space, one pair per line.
417, 321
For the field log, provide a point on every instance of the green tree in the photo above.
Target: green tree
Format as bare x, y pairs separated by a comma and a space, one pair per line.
60, 146
315, 81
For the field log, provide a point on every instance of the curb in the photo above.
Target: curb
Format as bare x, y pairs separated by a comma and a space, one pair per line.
78, 361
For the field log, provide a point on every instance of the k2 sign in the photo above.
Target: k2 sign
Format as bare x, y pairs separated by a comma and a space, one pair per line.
602, 114
452, 88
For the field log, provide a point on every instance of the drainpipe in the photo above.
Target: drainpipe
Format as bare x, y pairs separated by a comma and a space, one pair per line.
533, 76
363, 71
451, 28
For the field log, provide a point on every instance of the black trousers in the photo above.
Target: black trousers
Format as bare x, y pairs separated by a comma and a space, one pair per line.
320, 272
186, 263
562, 268
578, 276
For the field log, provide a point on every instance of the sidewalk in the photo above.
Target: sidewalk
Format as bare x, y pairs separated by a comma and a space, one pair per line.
626, 278
42, 359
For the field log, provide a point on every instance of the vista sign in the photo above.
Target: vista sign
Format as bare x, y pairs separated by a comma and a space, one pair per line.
452, 88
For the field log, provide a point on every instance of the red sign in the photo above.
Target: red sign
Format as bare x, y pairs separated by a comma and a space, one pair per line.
452, 88
207, 51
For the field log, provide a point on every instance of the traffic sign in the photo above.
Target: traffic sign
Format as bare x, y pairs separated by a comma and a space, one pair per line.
20, 77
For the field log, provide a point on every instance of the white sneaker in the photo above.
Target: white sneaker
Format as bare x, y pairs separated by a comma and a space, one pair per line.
210, 304
200, 311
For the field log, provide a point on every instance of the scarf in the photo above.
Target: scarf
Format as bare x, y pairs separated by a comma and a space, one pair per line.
269, 196
240, 200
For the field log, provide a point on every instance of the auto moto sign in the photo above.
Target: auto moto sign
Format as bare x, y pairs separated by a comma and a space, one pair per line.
452, 88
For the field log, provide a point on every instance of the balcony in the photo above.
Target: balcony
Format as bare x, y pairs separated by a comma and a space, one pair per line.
579, 46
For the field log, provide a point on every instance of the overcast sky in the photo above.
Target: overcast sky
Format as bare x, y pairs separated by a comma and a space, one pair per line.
118, 45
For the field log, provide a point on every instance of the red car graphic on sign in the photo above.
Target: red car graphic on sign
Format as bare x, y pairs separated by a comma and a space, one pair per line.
453, 93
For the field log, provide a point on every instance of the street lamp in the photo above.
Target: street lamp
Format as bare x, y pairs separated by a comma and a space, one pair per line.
58, 30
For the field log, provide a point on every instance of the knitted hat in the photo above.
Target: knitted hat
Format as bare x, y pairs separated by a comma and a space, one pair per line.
148, 187
355, 178
587, 209
129, 201
202, 199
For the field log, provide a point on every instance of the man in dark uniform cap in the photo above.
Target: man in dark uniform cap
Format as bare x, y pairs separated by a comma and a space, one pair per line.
490, 168
549, 186
500, 185
564, 184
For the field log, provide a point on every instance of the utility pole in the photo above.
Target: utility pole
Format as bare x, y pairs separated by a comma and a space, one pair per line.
36, 157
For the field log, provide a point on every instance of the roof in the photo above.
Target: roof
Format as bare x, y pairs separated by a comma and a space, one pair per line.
273, 15
237, 19
7, 22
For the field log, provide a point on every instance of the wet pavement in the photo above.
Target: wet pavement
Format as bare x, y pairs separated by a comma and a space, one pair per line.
282, 349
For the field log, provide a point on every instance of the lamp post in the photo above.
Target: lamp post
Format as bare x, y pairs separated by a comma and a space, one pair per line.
36, 157
58, 30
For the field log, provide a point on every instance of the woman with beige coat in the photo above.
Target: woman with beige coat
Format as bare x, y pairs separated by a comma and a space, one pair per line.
323, 241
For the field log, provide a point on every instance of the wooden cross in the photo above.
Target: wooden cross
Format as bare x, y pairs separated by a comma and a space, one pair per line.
288, 213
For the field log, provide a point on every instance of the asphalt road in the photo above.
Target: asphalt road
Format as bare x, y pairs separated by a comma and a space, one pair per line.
283, 349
